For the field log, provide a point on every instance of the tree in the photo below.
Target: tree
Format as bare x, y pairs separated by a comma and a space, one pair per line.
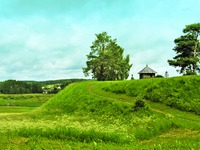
106, 61
187, 49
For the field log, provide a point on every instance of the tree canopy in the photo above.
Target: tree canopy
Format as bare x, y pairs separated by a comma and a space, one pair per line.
106, 61
187, 49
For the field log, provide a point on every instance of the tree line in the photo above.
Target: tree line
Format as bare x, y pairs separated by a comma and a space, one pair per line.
19, 87
26, 87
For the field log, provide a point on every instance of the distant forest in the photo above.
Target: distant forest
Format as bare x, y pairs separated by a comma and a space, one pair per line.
28, 87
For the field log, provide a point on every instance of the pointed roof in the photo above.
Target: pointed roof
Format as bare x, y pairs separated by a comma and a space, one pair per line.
147, 70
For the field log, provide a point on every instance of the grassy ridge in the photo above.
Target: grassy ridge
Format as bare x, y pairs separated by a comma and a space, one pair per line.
76, 115
76, 99
180, 92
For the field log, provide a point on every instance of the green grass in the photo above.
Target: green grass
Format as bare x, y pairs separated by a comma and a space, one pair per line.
183, 116
26, 100
18, 103
186, 122
88, 115
14, 109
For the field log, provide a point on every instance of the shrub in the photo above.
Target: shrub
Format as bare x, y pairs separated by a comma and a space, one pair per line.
139, 104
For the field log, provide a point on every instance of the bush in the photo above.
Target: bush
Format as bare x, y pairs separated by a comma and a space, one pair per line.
159, 76
139, 104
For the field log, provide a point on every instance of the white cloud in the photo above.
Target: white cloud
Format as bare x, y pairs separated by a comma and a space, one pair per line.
33, 52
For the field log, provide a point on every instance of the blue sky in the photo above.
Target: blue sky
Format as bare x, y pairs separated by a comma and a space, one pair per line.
49, 39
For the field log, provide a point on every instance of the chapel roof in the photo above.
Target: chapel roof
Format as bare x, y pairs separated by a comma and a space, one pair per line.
147, 70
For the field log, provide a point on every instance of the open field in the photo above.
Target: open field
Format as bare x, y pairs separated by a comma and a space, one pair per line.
14, 109
27, 100
18, 103
89, 115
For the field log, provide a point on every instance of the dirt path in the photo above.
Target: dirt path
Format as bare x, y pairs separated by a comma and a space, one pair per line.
90, 90
93, 93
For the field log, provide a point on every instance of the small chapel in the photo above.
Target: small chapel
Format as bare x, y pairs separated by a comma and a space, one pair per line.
147, 73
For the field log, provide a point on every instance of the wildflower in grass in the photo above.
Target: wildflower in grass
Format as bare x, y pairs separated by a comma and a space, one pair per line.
169, 116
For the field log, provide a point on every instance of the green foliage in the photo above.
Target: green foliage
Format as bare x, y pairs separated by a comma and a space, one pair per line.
106, 61
187, 49
159, 76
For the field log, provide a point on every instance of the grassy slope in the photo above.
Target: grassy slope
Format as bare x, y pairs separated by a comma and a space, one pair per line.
184, 137
179, 92
85, 114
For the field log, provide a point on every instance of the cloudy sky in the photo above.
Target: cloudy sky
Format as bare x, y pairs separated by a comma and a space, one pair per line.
49, 39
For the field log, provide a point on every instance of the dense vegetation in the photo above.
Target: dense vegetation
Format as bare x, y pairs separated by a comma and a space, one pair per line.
179, 92
62, 82
19, 87
82, 116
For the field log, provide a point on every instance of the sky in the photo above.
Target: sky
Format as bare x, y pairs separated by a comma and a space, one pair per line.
49, 39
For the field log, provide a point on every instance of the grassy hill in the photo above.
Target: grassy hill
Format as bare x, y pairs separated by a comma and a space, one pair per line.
102, 115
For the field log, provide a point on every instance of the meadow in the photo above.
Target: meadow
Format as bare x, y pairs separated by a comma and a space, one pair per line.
106, 115
16, 103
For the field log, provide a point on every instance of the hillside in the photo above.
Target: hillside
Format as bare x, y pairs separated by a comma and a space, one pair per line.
178, 92
87, 115
90, 99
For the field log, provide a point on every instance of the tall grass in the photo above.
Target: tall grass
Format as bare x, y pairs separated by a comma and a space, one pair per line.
26, 100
